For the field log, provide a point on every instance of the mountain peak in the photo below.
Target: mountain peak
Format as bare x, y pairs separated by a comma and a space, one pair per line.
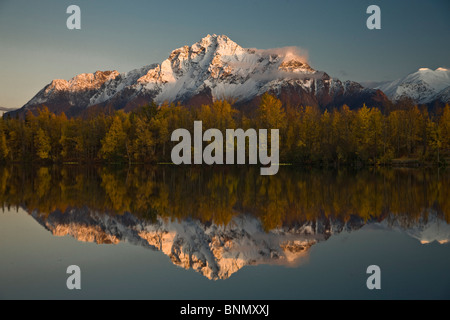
214, 38
218, 44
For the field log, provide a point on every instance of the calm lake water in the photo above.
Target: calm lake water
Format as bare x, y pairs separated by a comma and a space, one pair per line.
167, 232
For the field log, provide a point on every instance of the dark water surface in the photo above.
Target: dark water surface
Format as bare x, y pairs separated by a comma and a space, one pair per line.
168, 232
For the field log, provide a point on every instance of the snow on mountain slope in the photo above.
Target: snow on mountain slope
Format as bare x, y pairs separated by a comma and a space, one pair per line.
422, 86
117, 83
443, 95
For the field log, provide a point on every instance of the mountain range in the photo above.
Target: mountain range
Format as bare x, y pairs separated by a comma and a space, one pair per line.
218, 68
423, 86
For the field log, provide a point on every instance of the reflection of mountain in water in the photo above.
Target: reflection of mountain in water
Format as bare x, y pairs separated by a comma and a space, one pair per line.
218, 251
217, 220
427, 229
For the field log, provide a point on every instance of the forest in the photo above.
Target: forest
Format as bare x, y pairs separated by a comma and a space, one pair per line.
403, 135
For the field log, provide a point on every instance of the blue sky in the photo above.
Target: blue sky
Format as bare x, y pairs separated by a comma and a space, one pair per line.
36, 46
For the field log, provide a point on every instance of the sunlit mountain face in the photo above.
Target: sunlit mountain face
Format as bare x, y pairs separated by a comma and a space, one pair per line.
216, 221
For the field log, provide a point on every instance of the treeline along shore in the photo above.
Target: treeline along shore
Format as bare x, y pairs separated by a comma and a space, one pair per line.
404, 135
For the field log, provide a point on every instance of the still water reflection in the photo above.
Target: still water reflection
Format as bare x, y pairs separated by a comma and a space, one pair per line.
217, 221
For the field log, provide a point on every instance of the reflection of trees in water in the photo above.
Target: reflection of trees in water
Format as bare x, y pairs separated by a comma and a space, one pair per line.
218, 194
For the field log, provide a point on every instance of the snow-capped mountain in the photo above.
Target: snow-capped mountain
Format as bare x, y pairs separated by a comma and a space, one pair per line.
213, 68
423, 86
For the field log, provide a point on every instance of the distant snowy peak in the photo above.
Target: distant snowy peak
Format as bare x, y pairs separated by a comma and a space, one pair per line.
422, 86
